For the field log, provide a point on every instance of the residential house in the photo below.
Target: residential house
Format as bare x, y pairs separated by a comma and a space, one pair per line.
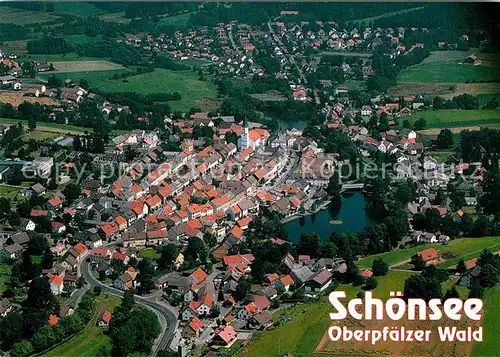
319, 281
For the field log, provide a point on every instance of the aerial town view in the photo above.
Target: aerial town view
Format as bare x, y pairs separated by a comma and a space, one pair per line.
201, 179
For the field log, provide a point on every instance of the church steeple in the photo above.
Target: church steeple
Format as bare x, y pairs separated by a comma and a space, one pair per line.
244, 140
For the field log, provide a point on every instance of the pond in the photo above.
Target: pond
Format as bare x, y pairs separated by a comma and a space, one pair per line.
351, 216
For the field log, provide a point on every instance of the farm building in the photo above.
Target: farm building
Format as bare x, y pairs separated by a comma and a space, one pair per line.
472, 59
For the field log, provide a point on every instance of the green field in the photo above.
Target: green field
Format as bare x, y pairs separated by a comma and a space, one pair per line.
25, 17
448, 72
51, 127
463, 247
309, 321
178, 21
93, 77
453, 118
78, 8
165, 81
81, 39
149, 253
71, 56
490, 323
85, 344
4, 272
8, 192
441, 156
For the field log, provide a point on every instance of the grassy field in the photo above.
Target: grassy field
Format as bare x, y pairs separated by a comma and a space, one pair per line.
441, 156
8, 192
85, 66
85, 344
179, 21
309, 322
448, 72
192, 90
4, 270
149, 253
81, 39
78, 8
490, 322
49, 127
92, 339
115, 17
450, 118
463, 247
93, 77
445, 90
71, 56
25, 17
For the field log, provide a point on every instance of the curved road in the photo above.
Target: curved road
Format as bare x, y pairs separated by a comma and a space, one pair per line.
167, 318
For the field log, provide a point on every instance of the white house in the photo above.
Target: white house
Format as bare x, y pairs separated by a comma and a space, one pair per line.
57, 285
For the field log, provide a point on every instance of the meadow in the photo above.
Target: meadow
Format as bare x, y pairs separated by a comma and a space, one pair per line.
49, 127
453, 118
303, 332
94, 78
448, 72
85, 66
25, 17
490, 322
186, 83
92, 339
462, 247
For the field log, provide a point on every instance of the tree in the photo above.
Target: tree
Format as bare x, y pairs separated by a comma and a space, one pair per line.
488, 277
451, 293
461, 267
371, 283
334, 184
196, 250
80, 282
54, 82
43, 339
445, 139
145, 278
418, 286
210, 240
72, 191
476, 291
22, 349
11, 329
419, 124
40, 296
168, 254
310, 243
379, 267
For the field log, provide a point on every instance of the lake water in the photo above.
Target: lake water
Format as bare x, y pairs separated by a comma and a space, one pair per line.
352, 213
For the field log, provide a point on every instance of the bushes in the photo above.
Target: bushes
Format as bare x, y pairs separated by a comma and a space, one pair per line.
49, 45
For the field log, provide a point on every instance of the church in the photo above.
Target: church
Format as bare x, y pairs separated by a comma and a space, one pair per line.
252, 138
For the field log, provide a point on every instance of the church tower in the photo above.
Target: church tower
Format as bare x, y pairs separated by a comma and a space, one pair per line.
244, 140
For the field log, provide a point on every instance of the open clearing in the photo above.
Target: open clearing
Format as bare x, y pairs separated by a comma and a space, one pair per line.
25, 17
93, 77
78, 8
16, 98
115, 17
454, 118
448, 72
185, 83
462, 247
445, 90
309, 322
490, 322
49, 127
85, 66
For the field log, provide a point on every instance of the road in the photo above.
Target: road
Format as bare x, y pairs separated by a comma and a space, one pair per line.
166, 315
291, 59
